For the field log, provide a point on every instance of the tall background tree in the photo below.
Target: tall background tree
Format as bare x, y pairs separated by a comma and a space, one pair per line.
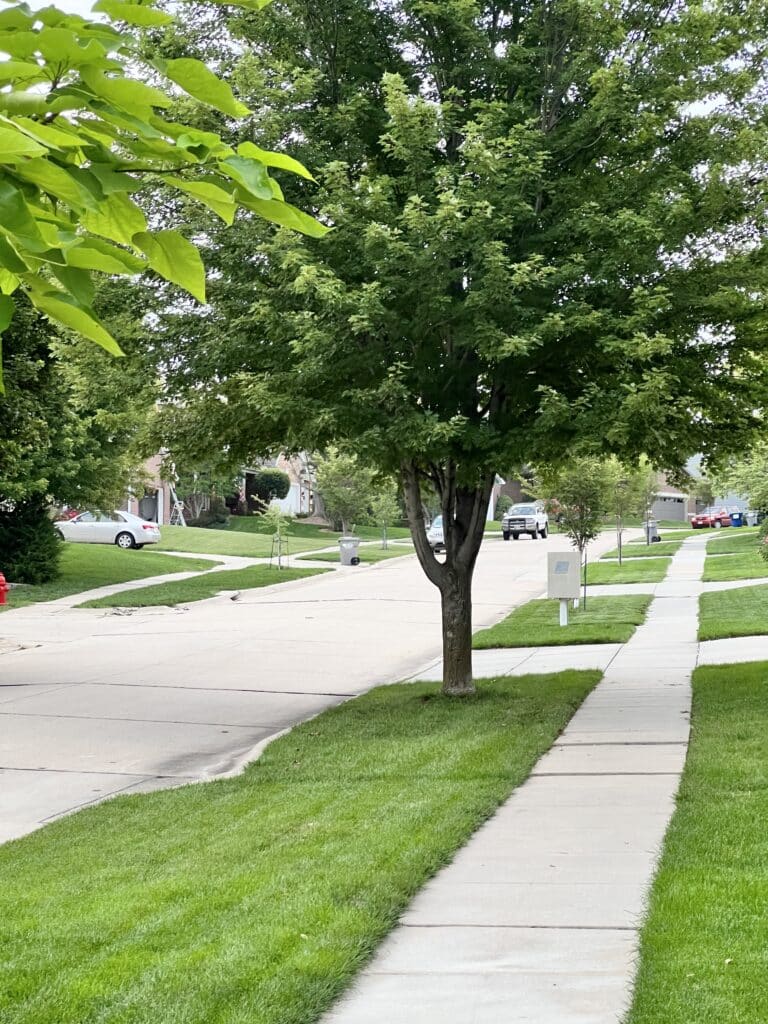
549, 239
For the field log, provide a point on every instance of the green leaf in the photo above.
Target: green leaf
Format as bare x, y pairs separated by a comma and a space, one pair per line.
112, 180
16, 72
6, 315
251, 174
215, 198
117, 219
77, 282
10, 259
95, 254
133, 14
133, 97
269, 159
65, 310
175, 259
15, 144
57, 138
58, 182
199, 81
15, 218
286, 215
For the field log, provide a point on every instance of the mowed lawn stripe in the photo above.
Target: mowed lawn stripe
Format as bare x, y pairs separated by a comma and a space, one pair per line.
256, 899
742, 611
704, 946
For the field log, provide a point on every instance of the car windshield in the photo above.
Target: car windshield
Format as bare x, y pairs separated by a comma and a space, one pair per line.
523, 510
437, 521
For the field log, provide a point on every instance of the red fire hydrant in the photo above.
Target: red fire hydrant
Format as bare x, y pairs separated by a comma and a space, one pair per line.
4, 588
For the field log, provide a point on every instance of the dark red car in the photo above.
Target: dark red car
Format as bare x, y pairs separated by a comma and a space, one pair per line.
710, 518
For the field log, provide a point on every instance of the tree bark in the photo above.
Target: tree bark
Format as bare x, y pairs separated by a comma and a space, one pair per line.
464, 510
456, 602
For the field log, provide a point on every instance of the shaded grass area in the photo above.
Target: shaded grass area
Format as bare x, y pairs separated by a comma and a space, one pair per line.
311, 531
663, 548
704, 947
747, 565
256, 899
198, 588
605, 620
646, 570
739, 612
87, 566
367, 556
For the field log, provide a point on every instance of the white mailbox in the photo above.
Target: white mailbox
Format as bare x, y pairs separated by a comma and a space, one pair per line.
563, 574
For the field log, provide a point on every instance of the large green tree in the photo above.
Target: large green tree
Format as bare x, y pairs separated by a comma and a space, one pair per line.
550, 229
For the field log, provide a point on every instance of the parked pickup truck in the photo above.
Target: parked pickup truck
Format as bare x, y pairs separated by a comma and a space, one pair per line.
525, 518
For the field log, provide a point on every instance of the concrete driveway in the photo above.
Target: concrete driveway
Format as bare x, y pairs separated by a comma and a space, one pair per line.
103, 702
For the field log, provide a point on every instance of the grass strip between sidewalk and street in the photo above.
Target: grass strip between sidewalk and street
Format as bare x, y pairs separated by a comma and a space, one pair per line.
88, 566
367, 556
643, 570
605, 620
198, 588
739, 612
670, 547
257, 898
703, 948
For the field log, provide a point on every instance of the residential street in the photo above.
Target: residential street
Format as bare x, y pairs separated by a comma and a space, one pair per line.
107, 702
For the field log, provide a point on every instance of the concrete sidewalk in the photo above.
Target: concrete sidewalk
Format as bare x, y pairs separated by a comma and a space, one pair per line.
537, 918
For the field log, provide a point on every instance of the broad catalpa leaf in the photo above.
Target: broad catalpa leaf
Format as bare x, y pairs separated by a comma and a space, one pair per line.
212, 196
269, 159
96, 254
65, 310
286, 215
173, 257
142, 15
250, 174
199, 81
118, 219
15, 147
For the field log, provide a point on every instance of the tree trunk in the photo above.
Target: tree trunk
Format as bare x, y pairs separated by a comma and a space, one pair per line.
345, 527
456, 602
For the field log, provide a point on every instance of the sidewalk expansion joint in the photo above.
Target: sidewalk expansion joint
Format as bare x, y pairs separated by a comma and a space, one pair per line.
95, 771
626, 743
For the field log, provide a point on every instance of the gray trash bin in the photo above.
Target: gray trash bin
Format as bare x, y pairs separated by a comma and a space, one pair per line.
751, 518
348, 550
651, 531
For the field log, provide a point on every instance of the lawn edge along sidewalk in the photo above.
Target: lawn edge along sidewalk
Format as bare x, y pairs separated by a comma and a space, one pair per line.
537, 917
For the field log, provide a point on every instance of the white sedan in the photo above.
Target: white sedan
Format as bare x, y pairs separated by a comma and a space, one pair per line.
121, 528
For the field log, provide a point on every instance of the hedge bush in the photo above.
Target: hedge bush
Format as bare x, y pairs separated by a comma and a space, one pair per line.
29, 547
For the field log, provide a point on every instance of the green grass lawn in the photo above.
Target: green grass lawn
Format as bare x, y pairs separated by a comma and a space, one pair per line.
739, 612
237, 542
86, 566
366, 555
197, 588
310, 531
704, 946
748, 565
670, 547
606, 620
733, 542
641, 570
255, 900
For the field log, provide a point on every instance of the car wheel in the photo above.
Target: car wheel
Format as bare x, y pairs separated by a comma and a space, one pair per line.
718, 525
515, 536
125, 541
505, 534
535, 535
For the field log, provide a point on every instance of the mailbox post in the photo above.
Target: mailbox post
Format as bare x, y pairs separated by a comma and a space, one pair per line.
563, 579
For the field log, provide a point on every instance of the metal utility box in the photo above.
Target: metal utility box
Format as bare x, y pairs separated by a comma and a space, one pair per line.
563, 574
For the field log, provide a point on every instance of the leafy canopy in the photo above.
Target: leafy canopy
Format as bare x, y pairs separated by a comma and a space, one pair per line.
84, 126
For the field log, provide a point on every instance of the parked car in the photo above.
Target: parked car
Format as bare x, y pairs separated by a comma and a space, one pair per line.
525, 518
121, 528
435, 534
715, 518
